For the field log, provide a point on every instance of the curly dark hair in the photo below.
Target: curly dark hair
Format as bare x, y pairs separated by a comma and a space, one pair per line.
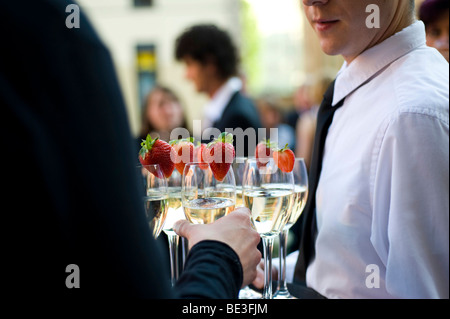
430, 10
207, 43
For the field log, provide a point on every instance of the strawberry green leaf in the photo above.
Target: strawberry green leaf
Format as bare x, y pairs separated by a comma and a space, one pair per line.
142, 152
224, 137
281, 150
175, 142
148, 143
284, 149
271, 145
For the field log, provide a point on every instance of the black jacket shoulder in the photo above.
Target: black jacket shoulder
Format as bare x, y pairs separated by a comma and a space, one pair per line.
239, 113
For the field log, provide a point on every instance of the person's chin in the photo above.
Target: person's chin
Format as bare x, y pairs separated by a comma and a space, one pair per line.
330, 48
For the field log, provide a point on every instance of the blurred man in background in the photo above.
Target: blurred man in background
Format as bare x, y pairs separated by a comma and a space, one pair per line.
211, 61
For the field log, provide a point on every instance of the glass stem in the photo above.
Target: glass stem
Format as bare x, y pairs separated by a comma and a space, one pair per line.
282, 285
268, 248
173, 250
185, 251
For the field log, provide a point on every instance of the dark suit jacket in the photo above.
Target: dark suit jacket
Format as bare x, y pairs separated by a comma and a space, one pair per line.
240, 113
70, 190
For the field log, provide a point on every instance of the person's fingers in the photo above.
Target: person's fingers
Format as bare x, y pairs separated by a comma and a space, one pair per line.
258, 257
182, 228
253, 271
261, 264
246, 216
242, 212
259, 280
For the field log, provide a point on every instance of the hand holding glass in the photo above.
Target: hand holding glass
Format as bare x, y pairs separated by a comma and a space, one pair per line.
204, 198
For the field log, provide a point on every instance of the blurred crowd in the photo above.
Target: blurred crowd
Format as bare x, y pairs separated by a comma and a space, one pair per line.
211, 62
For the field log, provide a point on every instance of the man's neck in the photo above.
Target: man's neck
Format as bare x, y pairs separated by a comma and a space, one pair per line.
214, 87
402, 18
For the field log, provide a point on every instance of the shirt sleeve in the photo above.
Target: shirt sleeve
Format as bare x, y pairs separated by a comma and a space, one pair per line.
410, 229
212, 271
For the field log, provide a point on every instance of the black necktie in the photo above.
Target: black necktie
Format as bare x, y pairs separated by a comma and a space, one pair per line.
308, 222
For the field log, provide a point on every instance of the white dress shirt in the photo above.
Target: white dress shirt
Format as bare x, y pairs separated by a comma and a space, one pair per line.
383, 195
216, 106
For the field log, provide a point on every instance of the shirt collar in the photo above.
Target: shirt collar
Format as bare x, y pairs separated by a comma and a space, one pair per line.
220, 100
372, 61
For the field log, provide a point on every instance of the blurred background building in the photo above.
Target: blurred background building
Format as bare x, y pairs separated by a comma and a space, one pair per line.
278, 48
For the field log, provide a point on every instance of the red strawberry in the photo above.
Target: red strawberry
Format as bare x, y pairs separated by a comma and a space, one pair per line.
263, 152
199, 155
220, 155
155, 151
284, 159
184, 153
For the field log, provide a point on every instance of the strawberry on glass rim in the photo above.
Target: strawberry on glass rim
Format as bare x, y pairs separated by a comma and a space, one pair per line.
264, 152
156, 151
220, 155
199, 155
184, 153
284, 159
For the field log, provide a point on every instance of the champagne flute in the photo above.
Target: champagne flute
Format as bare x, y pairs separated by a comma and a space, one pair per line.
155, 196
238, 167
268, 193
300, 196
204, 198
174, 214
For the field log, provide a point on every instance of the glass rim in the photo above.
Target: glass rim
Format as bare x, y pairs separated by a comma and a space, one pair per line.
196, 163
254, 159
240, 160
142, 165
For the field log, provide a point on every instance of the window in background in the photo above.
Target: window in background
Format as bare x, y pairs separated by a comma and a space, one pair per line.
272, 48
146, 69
143, 3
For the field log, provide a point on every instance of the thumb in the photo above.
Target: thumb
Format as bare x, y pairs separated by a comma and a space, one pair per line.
182, 228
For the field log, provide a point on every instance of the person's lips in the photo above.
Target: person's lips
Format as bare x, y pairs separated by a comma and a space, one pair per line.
324, 24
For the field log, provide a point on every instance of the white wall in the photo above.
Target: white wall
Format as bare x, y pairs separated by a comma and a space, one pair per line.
122, 27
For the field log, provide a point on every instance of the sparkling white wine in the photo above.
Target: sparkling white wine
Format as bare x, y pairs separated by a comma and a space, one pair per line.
174, 197
299, 202
220, 191
270, 209
239, 200
156, 208
175, 211
207, 210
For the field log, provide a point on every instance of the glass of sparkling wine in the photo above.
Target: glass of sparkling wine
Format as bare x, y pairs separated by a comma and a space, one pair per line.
204, 198
268, 193
300, 196
174, 214
155, 196
238, 167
